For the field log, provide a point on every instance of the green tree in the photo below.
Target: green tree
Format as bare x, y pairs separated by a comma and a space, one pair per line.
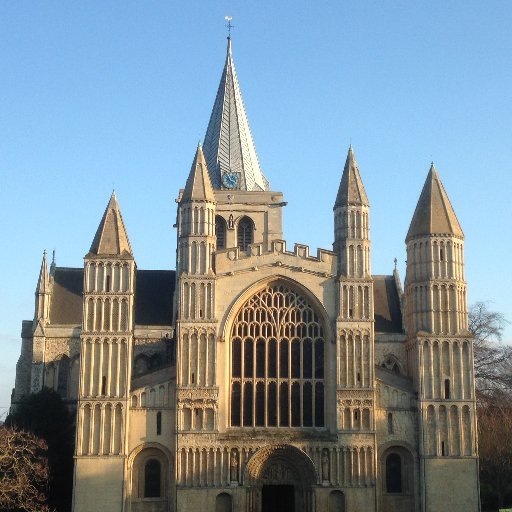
47, 416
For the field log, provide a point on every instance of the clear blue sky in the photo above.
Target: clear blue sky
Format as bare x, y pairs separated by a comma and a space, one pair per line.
103, 92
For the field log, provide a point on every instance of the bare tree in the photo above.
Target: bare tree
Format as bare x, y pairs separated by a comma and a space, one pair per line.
495, 448
23, 471
493, 360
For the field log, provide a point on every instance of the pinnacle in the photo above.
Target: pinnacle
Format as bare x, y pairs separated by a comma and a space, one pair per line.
111, 238
199, 186
351, 190
43, 281
434, 214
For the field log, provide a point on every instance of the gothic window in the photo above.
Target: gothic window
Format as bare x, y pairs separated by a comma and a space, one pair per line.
152, 470
277, 362
220, 232
245, 233
393, 473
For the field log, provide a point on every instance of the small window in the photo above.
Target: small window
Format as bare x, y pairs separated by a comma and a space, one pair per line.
104, 385
394, 473
220, 232
447, 389
152, 475
108, 284
441, 256
158, 423
245, 233
390, 423
443, 448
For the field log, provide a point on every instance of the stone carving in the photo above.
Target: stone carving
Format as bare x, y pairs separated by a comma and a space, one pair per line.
234, 466
325, 465
278, 472
231, 222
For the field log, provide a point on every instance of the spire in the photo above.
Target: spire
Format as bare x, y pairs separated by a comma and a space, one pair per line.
111, 238
434, 213
351, 190
199, 186
228, 144
43, 281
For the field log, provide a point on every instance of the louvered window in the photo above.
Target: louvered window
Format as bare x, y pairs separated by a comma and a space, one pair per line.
220, 232
245, 233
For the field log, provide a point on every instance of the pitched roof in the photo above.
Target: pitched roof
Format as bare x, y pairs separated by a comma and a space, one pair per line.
111, 238
153, 297
66, 299
199, 186
386, 304
228, 143
434, 213
351, 189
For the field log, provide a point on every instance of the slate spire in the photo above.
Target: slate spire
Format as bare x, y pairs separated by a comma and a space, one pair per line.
434, 214
228, 143
351, 190
199, 185
111, 238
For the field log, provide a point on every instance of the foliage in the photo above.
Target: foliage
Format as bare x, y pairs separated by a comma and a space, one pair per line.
23, 471
47, 416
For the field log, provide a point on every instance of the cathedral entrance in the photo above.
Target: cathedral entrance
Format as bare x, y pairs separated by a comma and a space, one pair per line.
278, 498
281, 479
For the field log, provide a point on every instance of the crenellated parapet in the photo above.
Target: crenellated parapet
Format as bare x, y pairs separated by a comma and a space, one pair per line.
231, 261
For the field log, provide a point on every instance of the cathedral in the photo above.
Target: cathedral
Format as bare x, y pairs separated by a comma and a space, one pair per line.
257, 376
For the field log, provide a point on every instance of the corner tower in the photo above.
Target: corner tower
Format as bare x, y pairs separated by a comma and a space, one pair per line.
354, 323
105, 369
440, 351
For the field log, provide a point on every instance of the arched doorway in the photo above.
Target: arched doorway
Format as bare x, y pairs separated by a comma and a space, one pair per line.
281, 478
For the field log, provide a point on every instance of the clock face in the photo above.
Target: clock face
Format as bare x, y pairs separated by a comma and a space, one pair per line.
230, 179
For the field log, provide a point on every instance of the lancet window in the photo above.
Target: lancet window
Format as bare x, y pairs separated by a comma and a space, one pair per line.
277, 362
245, 233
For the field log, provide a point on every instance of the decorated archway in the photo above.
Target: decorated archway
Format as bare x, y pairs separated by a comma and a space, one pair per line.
280, 478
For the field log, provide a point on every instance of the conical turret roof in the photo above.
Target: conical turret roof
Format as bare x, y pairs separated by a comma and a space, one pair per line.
228, 143
351, 190
199, 185
111, 238
434, 214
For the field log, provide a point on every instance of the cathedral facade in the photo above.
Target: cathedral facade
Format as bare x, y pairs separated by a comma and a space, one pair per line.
258, 377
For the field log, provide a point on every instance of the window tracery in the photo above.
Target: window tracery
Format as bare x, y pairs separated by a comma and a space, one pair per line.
277, 362
245, 233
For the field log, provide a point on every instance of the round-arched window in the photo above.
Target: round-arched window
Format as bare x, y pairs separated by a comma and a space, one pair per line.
277, 361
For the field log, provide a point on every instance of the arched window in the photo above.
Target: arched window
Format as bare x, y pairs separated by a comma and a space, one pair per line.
447, 388
223, 502
336, 501
152, 475
158, 423
220, 232
277, 361
394, 473
245, 233
390, 423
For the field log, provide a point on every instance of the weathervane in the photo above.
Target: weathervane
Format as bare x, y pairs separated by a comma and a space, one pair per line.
229, 26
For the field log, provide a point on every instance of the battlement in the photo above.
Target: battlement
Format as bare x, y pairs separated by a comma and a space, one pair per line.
232, 259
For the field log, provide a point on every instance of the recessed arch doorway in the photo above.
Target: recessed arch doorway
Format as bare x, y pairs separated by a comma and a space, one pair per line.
280, 478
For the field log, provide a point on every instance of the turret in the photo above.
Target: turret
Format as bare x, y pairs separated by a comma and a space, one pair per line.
352, 222
435, 288
42, 305
105, 366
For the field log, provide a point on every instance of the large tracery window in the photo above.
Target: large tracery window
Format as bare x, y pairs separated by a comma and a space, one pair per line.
277, 362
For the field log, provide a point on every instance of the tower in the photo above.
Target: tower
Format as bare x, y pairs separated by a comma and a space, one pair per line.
354, 322
440, 351
195, 321
106, 342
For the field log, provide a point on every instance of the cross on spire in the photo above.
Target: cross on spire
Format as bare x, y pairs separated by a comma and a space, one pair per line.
229, 26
